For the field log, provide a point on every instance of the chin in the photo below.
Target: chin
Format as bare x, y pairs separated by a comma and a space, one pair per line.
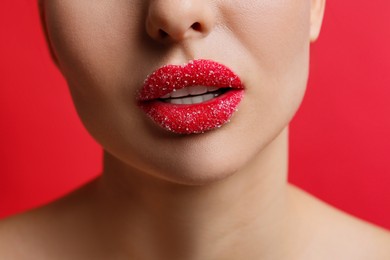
192, 160
201, 174
209, 164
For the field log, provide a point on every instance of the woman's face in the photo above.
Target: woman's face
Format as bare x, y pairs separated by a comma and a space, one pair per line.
106, 49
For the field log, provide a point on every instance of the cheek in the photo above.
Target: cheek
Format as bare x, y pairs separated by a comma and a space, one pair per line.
271, 30
95, 44
92, 42
276, 38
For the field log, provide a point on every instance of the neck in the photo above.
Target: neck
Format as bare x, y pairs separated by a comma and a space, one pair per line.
242, 217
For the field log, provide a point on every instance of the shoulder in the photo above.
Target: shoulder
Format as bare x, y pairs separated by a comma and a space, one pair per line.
53, 231
18, 236
355, 239
337, 235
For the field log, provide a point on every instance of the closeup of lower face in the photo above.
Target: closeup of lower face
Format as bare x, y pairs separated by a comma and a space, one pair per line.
188, 91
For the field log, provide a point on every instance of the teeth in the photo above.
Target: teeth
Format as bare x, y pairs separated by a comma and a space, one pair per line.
187, 101
191, 100
176, 101
212, 89
197, 90
166, 96
180, 93
193, 91
197, 99
208, 97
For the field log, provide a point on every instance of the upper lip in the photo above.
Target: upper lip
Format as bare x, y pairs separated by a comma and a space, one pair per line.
170, 78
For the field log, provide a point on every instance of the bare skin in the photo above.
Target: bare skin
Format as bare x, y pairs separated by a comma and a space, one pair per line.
220, 195
144, 218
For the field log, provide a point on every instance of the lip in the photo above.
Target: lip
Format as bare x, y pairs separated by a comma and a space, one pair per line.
191, 118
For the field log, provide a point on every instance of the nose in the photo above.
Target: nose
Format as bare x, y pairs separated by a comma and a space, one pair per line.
178, 20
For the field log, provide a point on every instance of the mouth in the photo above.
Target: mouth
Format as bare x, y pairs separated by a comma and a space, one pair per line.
194, 98
193, 95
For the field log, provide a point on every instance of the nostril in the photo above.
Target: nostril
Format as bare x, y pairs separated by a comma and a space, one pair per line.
163, 34
196, 26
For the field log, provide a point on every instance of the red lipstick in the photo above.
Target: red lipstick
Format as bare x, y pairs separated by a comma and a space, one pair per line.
190, 99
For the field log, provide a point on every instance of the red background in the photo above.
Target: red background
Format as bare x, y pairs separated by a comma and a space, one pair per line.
340, 141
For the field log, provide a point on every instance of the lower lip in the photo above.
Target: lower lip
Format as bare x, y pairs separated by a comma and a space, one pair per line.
196, 118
